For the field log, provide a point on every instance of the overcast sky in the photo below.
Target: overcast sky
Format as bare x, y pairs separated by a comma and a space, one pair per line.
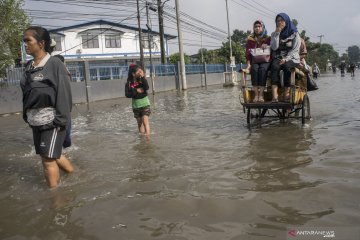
338, 21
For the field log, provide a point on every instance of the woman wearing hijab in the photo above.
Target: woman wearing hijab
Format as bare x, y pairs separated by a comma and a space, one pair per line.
258, 69
285, 43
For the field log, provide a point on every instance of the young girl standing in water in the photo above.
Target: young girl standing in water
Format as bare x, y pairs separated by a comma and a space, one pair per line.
136, 88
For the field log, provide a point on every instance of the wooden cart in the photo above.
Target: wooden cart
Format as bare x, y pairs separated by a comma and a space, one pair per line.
297, 107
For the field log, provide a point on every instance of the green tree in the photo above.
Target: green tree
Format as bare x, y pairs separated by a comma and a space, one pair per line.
354, 54
238, 52
214, 56
303, 36
240, 36
204, 54
344, 57
13, 22
317, 52
321, 53
295, 22
175, 58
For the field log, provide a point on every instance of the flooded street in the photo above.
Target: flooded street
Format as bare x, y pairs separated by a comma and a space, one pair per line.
202, 175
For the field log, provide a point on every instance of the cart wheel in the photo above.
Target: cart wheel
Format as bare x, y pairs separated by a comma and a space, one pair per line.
305, 109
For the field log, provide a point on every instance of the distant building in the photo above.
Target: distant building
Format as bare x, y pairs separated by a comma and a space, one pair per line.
195, 58
104, 40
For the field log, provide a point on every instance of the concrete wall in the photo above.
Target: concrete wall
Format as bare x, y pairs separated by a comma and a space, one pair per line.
78, 91
11, 96
106, 89
164, 83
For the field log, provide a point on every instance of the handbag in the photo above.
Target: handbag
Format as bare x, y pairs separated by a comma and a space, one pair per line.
260, 55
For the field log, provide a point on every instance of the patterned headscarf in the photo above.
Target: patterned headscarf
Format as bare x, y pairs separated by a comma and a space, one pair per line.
289, 28
264, 32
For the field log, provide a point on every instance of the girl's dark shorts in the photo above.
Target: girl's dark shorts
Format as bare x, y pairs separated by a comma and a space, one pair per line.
48, 143
140, 112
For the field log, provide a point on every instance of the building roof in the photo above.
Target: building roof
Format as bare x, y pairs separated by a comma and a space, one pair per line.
99, 22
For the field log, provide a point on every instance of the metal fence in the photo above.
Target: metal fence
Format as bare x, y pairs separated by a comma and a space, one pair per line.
113, 72
13, 76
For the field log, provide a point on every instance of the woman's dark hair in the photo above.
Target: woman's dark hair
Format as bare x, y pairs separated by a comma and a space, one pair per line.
41, 34
132, 69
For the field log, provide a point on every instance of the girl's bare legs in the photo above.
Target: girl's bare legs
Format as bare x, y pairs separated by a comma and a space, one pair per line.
140, 125
146, 124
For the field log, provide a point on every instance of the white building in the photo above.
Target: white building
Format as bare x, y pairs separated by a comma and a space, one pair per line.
105, 40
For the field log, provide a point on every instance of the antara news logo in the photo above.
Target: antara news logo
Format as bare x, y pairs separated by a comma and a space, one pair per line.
293, 234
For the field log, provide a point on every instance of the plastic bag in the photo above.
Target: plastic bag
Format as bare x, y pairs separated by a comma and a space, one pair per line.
311, 84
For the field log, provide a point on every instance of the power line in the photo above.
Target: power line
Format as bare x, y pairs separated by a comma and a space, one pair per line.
264, 7
190, 24
255, 10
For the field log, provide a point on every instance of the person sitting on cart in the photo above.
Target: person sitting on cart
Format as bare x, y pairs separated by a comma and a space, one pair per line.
311, 84
258, 67
285, 43
303, 53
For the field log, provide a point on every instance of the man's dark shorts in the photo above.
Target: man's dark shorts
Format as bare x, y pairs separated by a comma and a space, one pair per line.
140, 112
49, 143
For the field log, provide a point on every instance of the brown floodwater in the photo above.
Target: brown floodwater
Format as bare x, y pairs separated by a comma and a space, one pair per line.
202, 175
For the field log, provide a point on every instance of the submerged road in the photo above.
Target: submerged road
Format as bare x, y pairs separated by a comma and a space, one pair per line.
202, 175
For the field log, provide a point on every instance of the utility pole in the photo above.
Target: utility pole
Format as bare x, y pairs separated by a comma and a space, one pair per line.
150, 46
202, 58
202, 55
182, 61
140, 37
161, 31
321, 36
227, 14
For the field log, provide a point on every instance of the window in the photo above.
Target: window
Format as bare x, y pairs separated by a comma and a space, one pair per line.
57, 39
90, 39
113, 41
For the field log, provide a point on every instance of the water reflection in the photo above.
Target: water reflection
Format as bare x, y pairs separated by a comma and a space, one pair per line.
276, 154
292, 216
171, 103
52, 216
145, 161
